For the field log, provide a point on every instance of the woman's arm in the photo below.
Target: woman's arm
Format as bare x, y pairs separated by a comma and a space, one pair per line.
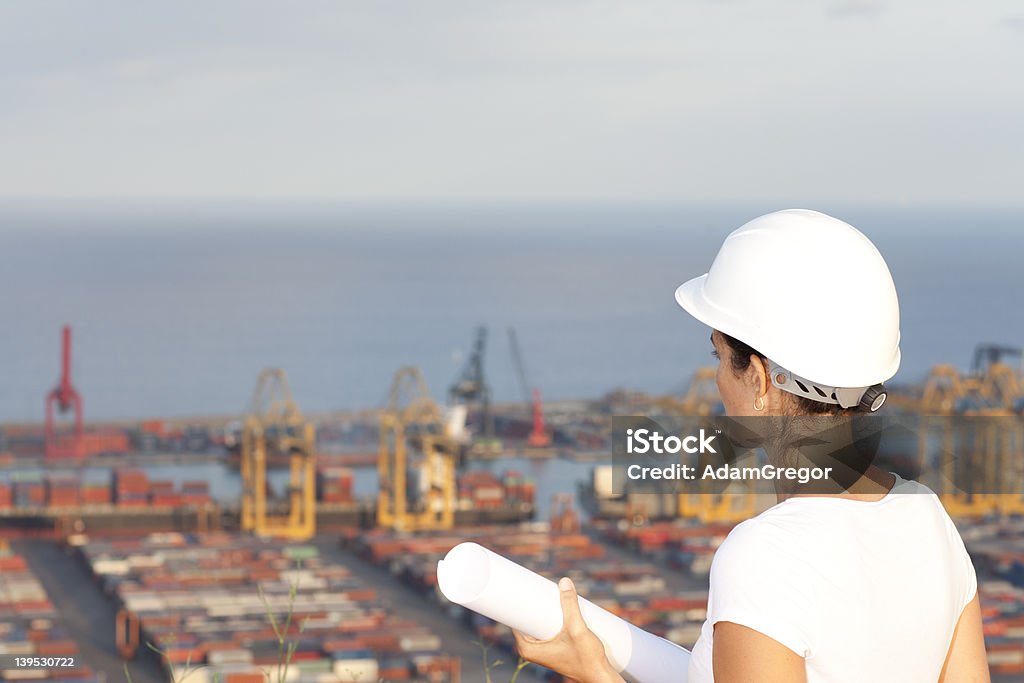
743, 655
966, 661
575, 652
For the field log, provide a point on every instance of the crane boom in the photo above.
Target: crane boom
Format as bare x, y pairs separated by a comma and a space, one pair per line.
520, 367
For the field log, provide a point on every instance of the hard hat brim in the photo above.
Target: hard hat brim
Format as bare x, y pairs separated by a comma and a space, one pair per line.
690, 296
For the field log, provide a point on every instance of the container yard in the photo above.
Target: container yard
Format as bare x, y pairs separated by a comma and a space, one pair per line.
672, 607
30, 626
215, 548
208, 600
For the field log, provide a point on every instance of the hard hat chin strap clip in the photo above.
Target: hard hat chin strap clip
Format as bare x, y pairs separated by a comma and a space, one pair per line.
871, 398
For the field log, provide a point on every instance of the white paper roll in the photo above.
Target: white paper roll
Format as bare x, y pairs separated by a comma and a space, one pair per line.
489, 584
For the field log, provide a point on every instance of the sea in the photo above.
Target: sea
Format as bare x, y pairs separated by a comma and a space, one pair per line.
176, 305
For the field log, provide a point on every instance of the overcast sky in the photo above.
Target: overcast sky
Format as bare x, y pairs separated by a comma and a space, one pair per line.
914, 101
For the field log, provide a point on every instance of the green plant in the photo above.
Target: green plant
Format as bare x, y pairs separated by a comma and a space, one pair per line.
189, 670
285, 648
490, 666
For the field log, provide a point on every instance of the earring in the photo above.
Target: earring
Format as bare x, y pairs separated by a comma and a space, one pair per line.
761, 407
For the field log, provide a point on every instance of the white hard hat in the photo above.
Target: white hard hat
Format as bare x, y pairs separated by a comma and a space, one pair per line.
812, 294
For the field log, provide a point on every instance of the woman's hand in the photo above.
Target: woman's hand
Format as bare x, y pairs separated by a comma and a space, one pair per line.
575, 652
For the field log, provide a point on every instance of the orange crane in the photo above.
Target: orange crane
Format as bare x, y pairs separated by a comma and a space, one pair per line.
273, 427
417, 457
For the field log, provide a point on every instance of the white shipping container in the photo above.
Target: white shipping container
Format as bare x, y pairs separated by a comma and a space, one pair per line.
226, 611
24, 674
18, 647
420, 642
113, 567
145, 560
220, 657
144, 604
603, 481
488, 493
1005, 657
194, 675
299, 576
355, 670
321, 624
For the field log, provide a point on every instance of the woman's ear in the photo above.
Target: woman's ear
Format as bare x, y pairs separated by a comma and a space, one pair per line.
759, 376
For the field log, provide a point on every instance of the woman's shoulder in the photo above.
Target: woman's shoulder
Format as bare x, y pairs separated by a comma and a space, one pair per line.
753, 542
800, 531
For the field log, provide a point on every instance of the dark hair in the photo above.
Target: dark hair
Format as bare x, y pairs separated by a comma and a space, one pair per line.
741, 353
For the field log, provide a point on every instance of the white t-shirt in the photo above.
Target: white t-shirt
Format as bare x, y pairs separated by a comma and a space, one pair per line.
864, 591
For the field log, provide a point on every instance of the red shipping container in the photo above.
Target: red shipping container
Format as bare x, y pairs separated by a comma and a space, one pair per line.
93, 495
245, 677
13, 563
57, 647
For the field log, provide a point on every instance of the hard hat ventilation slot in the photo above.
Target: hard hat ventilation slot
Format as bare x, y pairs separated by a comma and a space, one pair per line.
847, 397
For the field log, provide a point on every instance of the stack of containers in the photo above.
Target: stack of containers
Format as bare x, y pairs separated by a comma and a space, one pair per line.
997, 548
195, 492
28, 490
206, 599
131, 488
480, 490
30, 627
62, 490
334, 485
95, 490
1002, 609
636, 591
6, 497
483, 490
162, 494
149, 435
685, 544
528, 491
513, 483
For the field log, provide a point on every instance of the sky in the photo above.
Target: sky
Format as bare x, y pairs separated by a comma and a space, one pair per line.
793, 101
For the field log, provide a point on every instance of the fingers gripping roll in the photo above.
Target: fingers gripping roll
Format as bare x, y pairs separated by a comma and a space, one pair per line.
491, 585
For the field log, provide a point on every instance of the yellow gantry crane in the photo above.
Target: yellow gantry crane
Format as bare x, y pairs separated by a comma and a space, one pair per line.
275, 428
980, 458
417, 458
700, 398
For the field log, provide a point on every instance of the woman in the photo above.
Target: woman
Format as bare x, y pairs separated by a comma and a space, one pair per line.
867, 585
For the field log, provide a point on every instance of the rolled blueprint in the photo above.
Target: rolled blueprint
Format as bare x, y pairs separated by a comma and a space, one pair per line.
489, 584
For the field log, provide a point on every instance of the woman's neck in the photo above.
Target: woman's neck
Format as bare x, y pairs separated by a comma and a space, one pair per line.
872, 486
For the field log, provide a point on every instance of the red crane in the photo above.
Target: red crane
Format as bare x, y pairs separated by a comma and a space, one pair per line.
64, 397
539, 437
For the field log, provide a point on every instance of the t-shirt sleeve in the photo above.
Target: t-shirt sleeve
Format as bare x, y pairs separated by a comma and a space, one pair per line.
753, 586
966, 574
